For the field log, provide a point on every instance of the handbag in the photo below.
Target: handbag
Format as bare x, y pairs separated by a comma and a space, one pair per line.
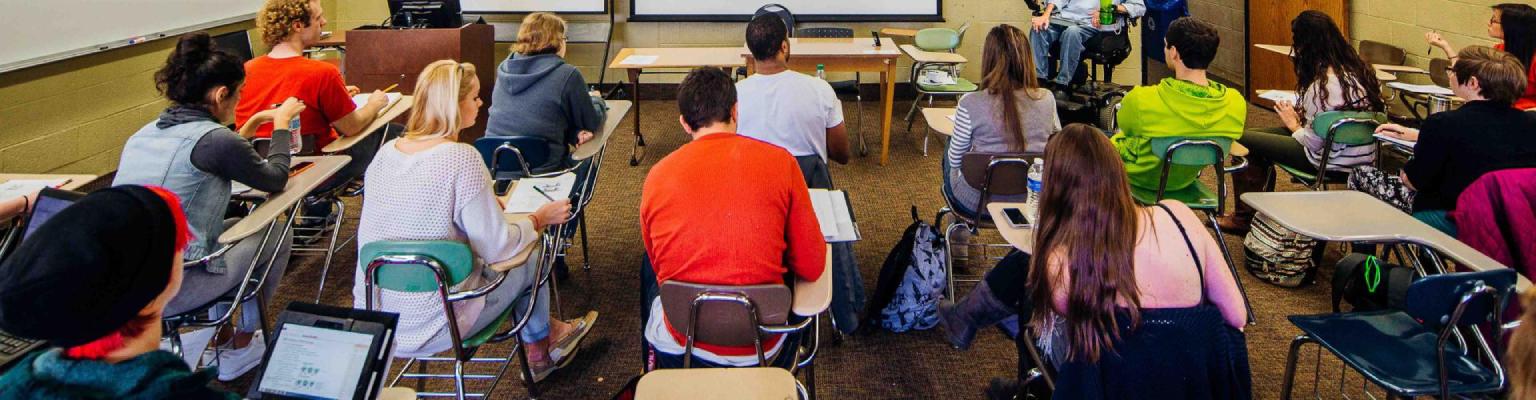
1277, 255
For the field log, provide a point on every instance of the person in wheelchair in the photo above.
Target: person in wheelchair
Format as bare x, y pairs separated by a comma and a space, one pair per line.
1070, 25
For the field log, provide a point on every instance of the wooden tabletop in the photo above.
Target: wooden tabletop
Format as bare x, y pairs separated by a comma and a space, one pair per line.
1278, 48
617, 109
1352, 216
813, 297
680, 57
924, 56
1022, 239
1239, 150
901, 32
336, 39
760, 383
836, 47
280, 203
1399, 68
385, 115
939, 120
72, 181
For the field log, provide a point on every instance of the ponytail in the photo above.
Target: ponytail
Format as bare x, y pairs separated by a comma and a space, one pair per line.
195, 67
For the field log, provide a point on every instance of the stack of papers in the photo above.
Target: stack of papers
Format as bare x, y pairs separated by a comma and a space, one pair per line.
1423, 89
525, 197
21, 187
942, 78
362, 98
835, 215
1395, 141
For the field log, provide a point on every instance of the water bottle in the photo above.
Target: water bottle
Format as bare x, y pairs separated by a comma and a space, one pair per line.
1106, 12
296, 142
821, 71
1032, 204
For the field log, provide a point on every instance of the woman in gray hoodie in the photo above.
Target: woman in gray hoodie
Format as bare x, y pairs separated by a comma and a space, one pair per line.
538, 94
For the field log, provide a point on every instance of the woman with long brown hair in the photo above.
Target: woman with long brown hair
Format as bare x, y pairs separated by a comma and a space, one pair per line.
1521, 357
1011, 113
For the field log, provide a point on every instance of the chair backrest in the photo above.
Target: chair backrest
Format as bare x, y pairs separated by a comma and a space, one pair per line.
937, 39
961, 31
510, 157
1437, 68
832, 32
782, 12
1192, 151
1432, 300
1374, 52
725, 322
1351, 128
1008, 172
407, 266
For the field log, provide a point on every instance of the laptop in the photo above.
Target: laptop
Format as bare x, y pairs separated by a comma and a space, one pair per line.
327, 352
49, 202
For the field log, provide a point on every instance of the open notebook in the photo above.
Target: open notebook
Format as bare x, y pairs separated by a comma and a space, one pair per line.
835, 214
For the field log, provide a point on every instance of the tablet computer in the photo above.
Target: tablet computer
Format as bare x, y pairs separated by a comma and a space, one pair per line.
49, 202
327, 352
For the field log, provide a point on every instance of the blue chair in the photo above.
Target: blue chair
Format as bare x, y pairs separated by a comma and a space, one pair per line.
437, 266
1410, 352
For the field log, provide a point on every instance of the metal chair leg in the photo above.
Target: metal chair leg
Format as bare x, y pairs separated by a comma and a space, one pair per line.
586, 258
863, 145
1227, 254
949, 260
913, 111
458, 379
330, 251
1288, 382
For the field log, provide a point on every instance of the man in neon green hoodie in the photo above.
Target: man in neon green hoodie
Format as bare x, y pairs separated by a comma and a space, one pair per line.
1187, 105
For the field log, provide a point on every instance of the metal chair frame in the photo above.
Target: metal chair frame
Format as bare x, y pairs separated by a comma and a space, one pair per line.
804, 357
560, 244
1210, 215
973, 223
919, 67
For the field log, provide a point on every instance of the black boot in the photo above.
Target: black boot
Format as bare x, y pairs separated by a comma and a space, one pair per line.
979, 309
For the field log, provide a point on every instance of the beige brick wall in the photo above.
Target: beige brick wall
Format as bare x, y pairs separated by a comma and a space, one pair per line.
1229, 19
1402, 23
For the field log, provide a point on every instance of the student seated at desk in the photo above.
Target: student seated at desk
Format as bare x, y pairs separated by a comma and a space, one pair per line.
1187, 105
1074, 24
723, 209
1456, 147
427, 186
1330, 76
789, 109
289, 27
1131, 300
1515, 24
1010, 114
538, 94
94, 282
190, 152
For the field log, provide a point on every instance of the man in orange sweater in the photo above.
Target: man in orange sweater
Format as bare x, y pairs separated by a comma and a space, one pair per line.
723, 209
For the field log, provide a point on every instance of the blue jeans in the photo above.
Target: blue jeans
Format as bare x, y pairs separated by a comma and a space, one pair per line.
1072, 39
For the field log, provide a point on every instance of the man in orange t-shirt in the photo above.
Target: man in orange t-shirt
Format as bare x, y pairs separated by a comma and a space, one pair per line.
723, 209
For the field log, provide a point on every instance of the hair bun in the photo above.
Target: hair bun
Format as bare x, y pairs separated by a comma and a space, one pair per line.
195, 45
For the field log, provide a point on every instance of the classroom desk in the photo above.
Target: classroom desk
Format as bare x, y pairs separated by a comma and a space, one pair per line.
617, 109
683, 57
813, 297
385, 116
281, 202
939, 120
939, 57
848, 55
1351, 216
1022, 239
72, 181
758, 383
337, 39
899, 32
1382, 74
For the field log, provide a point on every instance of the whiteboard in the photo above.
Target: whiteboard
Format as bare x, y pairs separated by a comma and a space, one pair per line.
528, 6
35, 32
804, 10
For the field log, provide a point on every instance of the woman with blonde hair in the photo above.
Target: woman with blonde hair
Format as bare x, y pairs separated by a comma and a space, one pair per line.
538, 94
427, 186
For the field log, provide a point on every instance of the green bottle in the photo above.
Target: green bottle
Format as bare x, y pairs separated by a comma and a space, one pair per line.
1106, 12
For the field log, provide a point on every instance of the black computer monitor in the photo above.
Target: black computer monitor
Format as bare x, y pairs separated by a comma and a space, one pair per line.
425, 14
237, 42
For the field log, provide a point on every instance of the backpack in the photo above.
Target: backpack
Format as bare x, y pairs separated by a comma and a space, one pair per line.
1278, 256
1369, 284
911, 281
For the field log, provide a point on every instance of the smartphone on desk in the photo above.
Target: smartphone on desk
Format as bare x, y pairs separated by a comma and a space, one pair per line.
299, 168
1016, 218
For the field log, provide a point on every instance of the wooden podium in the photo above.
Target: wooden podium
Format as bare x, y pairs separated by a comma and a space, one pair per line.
377, 58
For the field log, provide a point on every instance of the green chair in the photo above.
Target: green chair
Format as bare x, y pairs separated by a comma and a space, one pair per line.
1195, 153
938, 40
437, 266
1353, 128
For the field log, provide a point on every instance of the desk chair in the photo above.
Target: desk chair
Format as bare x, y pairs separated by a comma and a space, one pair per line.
1354, 128
250, 289
1374, 52
307, 236
436, 266
938, 40
1003, 174
844, 87
515, 157
1197, 153
1408, 353
740, 315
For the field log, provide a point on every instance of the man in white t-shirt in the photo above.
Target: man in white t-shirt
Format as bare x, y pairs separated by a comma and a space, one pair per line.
795, 111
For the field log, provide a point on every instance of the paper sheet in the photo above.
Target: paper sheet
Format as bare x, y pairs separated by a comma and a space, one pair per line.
524, 199
1425, 89
21, 187
362, 98
639, 60
1395, 141
833, 215
1278, 95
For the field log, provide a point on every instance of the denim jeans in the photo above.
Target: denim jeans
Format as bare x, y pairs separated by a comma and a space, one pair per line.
1072, 39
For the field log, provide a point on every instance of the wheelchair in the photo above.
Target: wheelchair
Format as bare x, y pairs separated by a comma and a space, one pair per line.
1089, 99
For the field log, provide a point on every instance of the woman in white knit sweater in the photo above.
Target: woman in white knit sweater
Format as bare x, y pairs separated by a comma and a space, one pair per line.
427, 186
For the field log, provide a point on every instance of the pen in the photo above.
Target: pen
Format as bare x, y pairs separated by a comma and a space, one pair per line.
1431, 50
541, 193
61, 185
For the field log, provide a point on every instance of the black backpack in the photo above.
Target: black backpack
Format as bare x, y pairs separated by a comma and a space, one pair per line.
1369, 284
894, 273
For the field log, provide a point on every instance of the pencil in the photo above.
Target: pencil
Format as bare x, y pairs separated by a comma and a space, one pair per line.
391, 87
541, 193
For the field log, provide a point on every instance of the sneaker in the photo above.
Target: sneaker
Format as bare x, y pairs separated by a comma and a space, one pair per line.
565, 350
236, 362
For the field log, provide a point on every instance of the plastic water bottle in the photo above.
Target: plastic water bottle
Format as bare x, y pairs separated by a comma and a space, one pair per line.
1032, 205
1106, 12
296, 143
821, 71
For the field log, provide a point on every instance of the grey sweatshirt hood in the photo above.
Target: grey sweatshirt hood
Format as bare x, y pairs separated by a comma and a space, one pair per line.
521, 72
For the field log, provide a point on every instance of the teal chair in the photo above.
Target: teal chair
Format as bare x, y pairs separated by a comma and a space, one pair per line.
1195, 153
1353, 128
436, 266
938, 40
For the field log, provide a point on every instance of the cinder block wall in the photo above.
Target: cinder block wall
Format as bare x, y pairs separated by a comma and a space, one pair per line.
1230, 21
1402, 23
